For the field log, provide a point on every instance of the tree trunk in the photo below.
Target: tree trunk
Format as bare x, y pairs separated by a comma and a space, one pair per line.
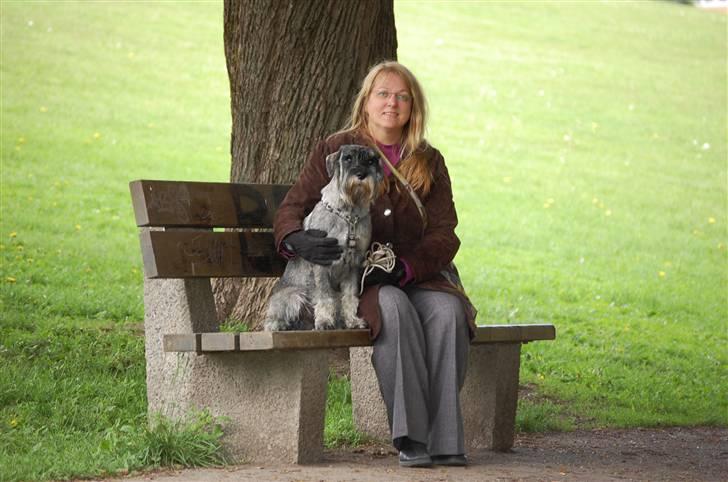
294, 68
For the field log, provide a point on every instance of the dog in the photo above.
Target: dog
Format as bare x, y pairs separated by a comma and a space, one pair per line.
309, 295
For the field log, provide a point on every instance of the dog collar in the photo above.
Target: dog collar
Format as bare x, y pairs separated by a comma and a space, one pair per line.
351, 221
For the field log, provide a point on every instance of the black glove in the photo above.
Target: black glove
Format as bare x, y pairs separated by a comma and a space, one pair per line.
313, 245
381, 277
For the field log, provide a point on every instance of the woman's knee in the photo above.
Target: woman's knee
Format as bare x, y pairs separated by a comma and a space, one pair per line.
396, 307
443, 310
393, 299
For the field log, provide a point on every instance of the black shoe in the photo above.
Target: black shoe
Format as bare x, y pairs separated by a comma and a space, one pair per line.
414, 454
454, 460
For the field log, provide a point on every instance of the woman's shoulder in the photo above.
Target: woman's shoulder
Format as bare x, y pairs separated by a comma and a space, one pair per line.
432, 155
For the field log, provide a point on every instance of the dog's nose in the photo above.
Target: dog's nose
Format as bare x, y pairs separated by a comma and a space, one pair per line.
361, 175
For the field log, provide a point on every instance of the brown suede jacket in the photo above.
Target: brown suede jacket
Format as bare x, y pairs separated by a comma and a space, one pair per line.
428, 254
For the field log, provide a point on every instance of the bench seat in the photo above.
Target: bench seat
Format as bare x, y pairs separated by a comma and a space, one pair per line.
303, 340
271, 387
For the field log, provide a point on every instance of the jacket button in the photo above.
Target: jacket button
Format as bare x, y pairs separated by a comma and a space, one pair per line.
387, 212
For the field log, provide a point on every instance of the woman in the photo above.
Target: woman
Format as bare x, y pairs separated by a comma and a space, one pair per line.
419, 317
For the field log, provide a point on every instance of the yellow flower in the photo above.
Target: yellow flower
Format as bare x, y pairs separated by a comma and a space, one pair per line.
10, 279
507, 179
78, 227
43, 109
97, 135
13, 234
595, 201
608, 212
21, 140
14, 423
661, 274
711, 220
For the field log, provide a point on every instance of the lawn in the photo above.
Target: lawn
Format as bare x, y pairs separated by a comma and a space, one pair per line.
587, 147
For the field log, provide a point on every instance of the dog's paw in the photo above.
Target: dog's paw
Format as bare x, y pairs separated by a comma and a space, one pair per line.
325, 324
356, 323
274, 325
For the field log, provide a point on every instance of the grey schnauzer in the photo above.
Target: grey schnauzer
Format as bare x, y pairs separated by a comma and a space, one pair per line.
309, 295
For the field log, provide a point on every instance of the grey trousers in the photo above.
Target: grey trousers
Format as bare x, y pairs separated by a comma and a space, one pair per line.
420, 358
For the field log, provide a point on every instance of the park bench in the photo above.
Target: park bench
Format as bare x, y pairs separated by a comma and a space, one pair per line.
271, 386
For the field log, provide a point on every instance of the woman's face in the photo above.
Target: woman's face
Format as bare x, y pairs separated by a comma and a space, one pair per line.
388, 107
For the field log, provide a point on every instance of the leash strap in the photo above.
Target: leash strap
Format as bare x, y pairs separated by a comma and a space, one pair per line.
407, 186
379, 256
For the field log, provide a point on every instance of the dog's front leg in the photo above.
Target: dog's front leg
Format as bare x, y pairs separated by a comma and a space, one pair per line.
350, 302
324, 306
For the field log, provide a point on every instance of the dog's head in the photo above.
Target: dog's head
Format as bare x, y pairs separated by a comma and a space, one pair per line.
358, 173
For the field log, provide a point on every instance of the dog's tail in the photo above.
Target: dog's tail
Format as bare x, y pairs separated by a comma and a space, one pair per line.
289, 309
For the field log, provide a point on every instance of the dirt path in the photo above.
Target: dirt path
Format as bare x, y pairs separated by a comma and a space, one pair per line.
641, 454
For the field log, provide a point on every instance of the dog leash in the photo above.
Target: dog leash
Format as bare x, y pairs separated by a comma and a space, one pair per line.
379, 256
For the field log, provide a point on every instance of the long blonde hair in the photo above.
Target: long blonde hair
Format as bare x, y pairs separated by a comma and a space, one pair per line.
413, 165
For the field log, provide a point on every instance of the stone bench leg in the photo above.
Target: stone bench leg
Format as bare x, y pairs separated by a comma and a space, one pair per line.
274, 401
488, 398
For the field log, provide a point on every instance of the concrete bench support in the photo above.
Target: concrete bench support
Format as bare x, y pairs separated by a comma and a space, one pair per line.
488, 398
274, 401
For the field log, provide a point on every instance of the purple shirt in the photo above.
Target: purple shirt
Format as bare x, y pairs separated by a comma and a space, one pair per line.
392, 152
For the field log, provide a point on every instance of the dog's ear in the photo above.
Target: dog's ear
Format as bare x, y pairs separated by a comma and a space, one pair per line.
332, 163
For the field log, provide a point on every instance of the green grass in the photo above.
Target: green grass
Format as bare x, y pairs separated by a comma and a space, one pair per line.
587, 147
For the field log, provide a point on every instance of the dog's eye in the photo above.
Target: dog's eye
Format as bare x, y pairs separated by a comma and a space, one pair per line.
372, 161
346, 158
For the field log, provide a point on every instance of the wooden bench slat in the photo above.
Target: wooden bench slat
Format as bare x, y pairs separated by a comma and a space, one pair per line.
191, 342
289, 340
205, 204
302, 340
205, 254
514, 333
219, 342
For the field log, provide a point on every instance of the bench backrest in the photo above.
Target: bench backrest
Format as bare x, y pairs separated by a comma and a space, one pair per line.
182, 225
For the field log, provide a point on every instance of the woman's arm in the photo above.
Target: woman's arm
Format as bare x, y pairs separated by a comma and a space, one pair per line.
302, 197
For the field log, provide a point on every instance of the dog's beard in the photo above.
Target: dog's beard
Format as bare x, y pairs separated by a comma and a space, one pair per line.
360, 192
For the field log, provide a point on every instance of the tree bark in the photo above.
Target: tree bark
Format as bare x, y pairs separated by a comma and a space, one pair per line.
294, 68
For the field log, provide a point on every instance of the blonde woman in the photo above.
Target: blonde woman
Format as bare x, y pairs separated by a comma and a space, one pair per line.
420, 319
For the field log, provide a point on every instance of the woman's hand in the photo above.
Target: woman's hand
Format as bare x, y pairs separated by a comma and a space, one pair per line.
313, 245
381, 277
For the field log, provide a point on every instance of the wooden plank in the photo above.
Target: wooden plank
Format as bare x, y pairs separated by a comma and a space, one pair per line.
205, 254
307, 340
205, 204
184, 343
513, 333
219, 342
302, 340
